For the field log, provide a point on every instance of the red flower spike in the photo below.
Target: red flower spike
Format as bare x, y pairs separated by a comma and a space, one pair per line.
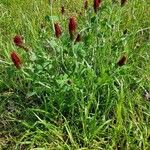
123, 2
72, 26
16, 60
96, 5
62, 10
58, 31
85, 4
122, 61
78, 39
18, 40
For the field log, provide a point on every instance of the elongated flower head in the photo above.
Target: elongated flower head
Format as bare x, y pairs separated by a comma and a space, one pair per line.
58, 31
16, 60
96, 5
18, 40
72, 26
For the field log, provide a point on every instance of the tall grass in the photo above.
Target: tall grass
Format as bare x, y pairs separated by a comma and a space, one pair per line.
75, 95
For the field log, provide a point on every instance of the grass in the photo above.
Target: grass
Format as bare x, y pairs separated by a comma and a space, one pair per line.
71, 95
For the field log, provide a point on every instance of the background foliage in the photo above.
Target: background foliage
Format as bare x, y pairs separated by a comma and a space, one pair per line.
71, 95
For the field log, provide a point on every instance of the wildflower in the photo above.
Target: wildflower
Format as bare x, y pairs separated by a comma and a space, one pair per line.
96, 5
78, 39
18, 40
85, 4
122, 61
58, 31
16, 60
62, 10
72, 26
123, 2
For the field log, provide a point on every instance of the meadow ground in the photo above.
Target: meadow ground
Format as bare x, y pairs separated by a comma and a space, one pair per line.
89, 94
